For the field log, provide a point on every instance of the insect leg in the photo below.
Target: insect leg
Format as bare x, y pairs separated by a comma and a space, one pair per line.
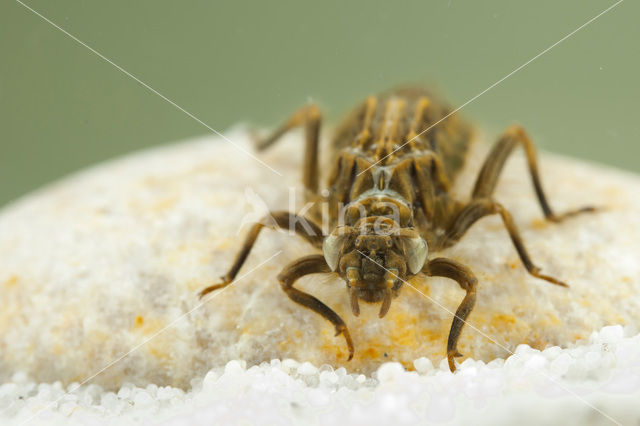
493, 165
478, 209
448, 268
302, 226
310, 117
312, 264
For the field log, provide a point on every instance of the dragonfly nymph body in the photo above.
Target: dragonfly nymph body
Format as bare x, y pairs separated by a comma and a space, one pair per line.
389, 204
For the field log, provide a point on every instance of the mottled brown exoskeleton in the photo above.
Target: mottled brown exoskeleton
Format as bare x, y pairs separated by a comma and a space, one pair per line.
390, 204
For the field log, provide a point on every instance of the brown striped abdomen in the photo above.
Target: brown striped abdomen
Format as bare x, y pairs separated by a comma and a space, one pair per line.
384, 128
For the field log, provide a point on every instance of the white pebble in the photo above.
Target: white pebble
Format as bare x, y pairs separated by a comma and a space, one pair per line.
94, 391
143, 400
389, 371
468, 364
209, 381
235, 367
109, 401
552, 352
124, 392
318, 397
535, 362
611, 334
165, 392
307, 369
561, 364
523, 349
68, 408
423, 365
275, 363
328, 378
289, 365
496, 363
152, 389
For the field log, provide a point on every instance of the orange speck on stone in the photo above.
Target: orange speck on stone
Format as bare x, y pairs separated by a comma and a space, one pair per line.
58, 349
407, 365
159, 354
194, 285
13, 280
284, 344
553, 320
536, 342
539, 223
147, 325
503, 319
371, 352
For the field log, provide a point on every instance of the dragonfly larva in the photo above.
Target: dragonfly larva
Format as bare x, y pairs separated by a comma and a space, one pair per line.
389, 204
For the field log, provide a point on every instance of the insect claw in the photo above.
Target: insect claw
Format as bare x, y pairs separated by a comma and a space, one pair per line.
587, 209
535, 272
345, 332
450, 358
215, 287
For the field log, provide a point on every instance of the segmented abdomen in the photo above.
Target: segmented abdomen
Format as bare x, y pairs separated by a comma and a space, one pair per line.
385, 128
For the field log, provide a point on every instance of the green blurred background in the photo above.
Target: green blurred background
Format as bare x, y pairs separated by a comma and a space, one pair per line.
63, 108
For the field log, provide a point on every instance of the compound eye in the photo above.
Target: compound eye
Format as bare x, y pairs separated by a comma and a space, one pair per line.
415, 250
389, 243
331, 250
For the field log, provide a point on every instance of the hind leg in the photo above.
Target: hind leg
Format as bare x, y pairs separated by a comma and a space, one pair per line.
493, 165
309, 117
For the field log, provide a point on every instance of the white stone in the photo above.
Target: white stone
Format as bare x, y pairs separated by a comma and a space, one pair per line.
389, 371
143, 400
423, 365
611, 334
307, 369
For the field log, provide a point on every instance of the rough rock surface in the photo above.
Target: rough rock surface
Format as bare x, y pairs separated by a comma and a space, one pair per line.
111, 259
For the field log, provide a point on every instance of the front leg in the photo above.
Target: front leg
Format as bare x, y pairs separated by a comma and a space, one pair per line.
285, 220
441, 267
313, 264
